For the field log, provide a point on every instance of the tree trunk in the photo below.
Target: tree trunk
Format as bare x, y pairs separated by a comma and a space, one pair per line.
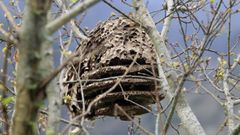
32, 67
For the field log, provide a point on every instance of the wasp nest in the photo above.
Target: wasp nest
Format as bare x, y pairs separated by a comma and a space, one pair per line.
119, 58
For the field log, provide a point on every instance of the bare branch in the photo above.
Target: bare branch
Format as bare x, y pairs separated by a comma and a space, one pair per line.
229, 104
167, 20
99, 97
9, 15
35, 63
183, 109
3, 92
122, 110
236, 62
65, 18
7, 37
175, 100
72, 22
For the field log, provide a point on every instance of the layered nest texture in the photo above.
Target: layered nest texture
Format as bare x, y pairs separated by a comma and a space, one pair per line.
115, 73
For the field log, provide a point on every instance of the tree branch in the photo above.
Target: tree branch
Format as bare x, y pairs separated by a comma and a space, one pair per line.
8, 15
183, 110
35, 62
73, 25
65, 18
229, 104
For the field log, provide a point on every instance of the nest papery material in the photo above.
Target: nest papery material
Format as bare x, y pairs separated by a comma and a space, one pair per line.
112, 47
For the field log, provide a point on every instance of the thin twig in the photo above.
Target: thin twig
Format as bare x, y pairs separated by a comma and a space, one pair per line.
4, 91
72, 22
184, 111
50, 77
122, 110
65, 18
99, 97
175, 100
9, 15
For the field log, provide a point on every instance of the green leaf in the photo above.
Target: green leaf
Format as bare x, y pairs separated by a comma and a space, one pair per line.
4, 50
7, 100
50, 132
1, 87
67, 98
73, 1
212, 1
175, 64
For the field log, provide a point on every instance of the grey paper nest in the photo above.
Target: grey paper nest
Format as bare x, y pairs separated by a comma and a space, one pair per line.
112, 47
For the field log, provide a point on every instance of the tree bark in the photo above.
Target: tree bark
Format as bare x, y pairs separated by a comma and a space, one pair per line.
32, 67
184, 111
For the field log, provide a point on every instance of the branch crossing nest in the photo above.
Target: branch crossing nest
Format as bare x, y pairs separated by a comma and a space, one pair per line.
115, 48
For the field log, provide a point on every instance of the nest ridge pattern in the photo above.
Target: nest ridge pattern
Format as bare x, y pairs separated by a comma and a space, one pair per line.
112, 47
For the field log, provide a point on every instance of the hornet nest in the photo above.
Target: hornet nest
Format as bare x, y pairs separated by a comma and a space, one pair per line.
119, 61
